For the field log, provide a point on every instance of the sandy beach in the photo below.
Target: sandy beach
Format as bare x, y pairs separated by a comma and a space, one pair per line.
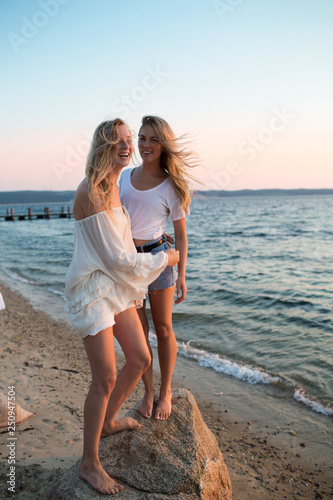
46, 362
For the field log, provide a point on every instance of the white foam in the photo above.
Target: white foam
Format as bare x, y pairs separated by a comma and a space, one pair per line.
221, 365
152, 339
17, 277
301, 397
57, 292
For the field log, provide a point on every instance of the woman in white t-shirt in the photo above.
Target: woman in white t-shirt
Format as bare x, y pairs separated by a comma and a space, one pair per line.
151, 193
106, 280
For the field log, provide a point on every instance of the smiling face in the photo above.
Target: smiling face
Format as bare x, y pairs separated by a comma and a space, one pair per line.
150, 148
123, 150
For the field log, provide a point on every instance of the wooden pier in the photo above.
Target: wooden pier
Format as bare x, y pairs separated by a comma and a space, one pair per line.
11, 216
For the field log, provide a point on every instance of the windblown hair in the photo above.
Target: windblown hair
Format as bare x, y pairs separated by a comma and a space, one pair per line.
101, 160
175, 158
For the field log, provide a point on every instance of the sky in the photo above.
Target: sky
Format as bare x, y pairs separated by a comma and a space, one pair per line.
249, 81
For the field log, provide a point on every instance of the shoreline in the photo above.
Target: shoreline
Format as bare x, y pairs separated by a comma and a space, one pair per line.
46, 361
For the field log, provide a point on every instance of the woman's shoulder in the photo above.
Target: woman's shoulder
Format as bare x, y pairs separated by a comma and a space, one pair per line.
82, 190
169, 189
83, 206
80, 200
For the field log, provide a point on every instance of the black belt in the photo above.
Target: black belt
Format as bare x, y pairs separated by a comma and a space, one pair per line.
148, 248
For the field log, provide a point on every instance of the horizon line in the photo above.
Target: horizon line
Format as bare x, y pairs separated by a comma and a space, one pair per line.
194, 190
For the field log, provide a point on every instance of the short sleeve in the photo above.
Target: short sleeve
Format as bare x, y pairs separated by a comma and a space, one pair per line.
176, 212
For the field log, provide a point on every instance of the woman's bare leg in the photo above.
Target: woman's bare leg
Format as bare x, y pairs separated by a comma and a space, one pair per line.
100, 351
161, 302
147, 403
129, 333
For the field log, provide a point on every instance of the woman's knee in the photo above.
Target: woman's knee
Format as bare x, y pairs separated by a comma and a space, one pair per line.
105, 382
140, 362
145, 360
164, 331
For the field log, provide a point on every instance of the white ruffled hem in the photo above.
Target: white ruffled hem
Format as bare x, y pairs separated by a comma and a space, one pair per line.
94, 302
95, 287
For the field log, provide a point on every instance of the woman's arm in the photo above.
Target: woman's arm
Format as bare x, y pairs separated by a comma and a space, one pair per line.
181, 245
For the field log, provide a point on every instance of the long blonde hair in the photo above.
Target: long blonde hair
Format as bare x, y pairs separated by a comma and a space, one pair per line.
175, 158
101, 161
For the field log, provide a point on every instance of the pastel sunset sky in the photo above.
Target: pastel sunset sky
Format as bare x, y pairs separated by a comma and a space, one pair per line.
250, 81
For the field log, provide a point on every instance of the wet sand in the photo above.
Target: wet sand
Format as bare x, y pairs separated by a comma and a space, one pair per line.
268, 457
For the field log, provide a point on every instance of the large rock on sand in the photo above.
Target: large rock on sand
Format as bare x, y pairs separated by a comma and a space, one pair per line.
176, 459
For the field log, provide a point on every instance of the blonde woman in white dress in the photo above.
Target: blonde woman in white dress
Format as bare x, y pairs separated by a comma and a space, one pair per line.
105, 283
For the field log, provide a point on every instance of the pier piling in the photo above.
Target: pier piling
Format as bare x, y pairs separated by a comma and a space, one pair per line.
46, 214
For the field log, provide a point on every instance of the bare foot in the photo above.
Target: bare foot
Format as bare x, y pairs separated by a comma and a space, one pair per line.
163, 409
99, 479
146, 406
122, 424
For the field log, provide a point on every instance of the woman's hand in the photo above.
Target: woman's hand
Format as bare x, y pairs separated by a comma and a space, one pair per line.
173, 256
181, 290
169, 238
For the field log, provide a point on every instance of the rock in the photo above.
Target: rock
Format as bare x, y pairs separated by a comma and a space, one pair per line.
176, 459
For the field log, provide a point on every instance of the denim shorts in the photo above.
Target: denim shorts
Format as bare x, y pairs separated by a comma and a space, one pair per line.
169, 276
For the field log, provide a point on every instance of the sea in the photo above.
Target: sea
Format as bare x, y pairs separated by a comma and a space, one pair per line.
259, 277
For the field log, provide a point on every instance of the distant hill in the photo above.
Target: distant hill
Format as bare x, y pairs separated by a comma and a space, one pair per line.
263, 192
13, 197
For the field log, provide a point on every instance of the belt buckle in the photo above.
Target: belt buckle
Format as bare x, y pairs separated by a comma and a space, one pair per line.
159, 243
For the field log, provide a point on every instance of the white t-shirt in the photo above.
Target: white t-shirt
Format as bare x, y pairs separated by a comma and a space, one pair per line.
149, 210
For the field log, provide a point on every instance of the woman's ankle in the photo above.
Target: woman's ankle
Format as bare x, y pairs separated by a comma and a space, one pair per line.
90, 463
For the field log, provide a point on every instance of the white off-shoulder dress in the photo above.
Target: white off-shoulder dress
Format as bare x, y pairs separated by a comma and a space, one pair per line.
106, 275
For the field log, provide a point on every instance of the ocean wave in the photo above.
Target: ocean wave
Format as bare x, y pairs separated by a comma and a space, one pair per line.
298, 231
257, 235
238, 370
243, 297
16, 277
289, 302
28, 281
241, 371
301, 396
232, 233
56, 292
